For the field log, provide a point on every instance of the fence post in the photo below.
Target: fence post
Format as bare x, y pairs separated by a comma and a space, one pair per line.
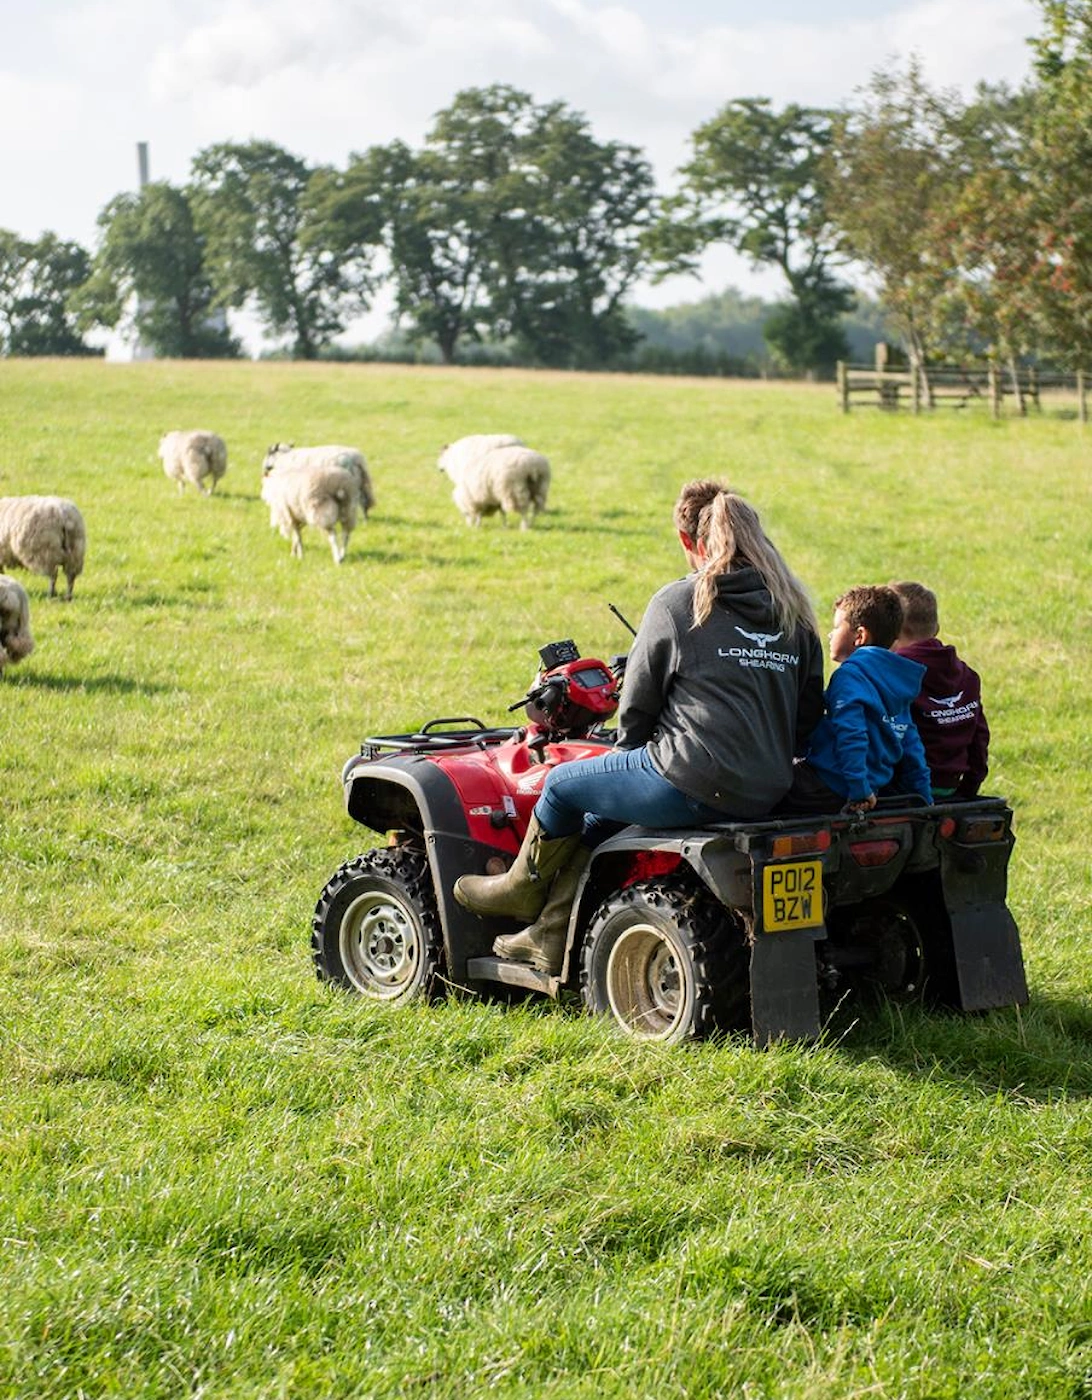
915, 383
995, 389
843, 386
1018, 387
1082, 401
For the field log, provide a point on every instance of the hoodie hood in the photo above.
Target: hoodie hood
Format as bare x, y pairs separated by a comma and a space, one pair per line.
896, 678
743, 592
945, 668
949, 715
868, 734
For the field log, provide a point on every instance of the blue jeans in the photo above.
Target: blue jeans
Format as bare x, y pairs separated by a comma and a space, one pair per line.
616, 788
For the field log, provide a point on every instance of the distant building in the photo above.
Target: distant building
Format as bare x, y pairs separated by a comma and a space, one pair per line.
216, 320
140, 351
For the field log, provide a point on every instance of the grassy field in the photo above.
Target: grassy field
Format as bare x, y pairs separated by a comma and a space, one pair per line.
221, 1179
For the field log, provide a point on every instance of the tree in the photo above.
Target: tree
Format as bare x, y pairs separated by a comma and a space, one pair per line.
756, 181
37, 278
586, 209
150, 272
432, 230
994, 246
511, 222
807, 333
893, 181
1059, 194
255, 206
565, 219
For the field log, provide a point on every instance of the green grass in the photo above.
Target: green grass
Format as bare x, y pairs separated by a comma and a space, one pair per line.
221, 1179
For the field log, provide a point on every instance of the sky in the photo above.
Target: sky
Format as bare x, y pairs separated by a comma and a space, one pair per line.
83, 81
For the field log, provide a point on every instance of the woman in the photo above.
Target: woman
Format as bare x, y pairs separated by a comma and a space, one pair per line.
723, 685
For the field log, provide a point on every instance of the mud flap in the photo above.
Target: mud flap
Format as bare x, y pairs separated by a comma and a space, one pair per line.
787, 900
784, 989
989, 965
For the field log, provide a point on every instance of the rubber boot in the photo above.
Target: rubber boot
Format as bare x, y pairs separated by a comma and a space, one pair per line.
543, 944
521, 891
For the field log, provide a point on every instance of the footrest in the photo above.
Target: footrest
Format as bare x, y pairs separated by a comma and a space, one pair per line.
512, 974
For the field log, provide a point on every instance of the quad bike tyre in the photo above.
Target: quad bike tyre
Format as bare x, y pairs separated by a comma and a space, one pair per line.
376, 929
667, 961
895, 951
898, 963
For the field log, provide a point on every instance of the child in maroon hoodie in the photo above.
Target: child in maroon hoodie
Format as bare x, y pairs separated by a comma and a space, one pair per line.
948, 712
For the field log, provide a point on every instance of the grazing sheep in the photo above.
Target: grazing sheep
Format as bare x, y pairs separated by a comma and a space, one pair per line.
283, 454
43, 534
323, 496
496, 473
468, 449
15, 639
193, 456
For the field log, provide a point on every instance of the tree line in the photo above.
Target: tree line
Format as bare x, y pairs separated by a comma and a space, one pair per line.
513, 224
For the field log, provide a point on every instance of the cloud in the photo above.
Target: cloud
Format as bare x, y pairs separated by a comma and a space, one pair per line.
324, 78
253, 44
811, 61
248, 44
38, 176
41, 110
313, 75
959, 44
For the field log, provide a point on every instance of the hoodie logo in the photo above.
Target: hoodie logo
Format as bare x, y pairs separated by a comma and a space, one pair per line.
949, 711
757, 655
762, 639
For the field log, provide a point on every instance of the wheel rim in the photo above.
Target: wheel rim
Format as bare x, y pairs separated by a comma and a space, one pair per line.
380, 946
645, 983
899, 957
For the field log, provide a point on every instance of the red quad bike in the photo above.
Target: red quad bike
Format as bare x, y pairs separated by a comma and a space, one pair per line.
756, 926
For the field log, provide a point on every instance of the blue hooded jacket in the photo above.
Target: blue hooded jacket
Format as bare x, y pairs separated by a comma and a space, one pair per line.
868, 732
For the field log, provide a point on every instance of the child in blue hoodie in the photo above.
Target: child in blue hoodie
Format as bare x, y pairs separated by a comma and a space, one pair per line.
867, 741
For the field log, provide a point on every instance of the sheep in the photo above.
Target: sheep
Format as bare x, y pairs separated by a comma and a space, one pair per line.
323, 496
496, 473
43, 534
15, 639
283, 454
193, 456
468, 449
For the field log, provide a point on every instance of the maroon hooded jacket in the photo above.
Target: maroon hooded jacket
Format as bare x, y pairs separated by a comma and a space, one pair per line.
949, 716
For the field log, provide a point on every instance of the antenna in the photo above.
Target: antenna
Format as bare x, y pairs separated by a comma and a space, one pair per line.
621, 619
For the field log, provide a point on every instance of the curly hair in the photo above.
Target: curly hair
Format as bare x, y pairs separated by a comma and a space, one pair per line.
876, 608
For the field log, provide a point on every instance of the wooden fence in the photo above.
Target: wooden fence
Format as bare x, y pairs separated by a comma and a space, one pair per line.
919, 387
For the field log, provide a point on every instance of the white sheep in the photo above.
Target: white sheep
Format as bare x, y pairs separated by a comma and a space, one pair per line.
323, 496
468, 449
493, 472
194, 456
15, 639
43, 534
283, 454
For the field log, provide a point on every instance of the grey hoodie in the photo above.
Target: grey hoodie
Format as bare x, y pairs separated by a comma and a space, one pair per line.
725, 706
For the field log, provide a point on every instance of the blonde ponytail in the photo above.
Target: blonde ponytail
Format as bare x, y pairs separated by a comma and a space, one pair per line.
733, 537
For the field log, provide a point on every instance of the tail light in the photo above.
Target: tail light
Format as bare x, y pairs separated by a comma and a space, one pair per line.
805, 843
873, 852
977, 831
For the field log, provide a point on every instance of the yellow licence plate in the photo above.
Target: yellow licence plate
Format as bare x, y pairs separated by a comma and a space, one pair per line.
792, 895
